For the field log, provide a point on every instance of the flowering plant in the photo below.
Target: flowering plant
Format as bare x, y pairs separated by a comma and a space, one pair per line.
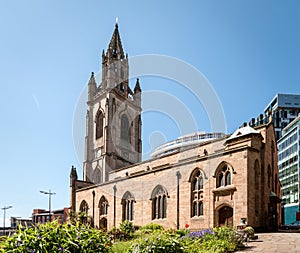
54, 237
201, 233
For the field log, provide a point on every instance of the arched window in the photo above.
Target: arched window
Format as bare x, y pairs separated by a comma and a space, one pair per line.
103, 206
227, 178
124, 128
196, 180
97, 176
224, 175
128, 206
99, 125
200, 211
84, 209
221, 179
159, 202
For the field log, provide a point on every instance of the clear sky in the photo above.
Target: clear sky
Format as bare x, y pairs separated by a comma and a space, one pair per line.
249, 50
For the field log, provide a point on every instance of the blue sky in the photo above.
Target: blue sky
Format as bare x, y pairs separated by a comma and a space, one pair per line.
248, 50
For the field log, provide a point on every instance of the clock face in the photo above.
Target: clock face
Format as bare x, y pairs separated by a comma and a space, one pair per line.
99, 153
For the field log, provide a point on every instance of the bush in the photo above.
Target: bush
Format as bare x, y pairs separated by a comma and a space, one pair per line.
152, 227
120, 247
158, 242
127, 228
182, 232
217, 240
53, 237
249, 232
125, 231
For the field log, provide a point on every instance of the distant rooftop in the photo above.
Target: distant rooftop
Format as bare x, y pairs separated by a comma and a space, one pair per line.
284, 101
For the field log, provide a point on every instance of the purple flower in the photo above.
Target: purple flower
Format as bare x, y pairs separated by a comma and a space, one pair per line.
201, 233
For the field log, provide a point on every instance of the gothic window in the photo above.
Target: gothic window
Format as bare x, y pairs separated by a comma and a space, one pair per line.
159, 202
84, 208
103, 206
124, 128
97, 176
221, 179
127, 206
99, 125
196, 193
223, 176
228, 178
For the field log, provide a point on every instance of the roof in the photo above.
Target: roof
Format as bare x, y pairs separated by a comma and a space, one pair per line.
115, 43
243, 131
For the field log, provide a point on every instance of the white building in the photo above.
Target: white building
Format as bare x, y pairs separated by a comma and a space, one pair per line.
289, 168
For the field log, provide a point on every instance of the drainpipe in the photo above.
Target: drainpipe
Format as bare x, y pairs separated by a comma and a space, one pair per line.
178, 175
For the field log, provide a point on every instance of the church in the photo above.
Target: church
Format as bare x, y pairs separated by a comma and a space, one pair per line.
214, 182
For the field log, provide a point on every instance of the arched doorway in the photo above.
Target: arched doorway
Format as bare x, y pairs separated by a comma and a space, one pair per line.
225, 216
103, 224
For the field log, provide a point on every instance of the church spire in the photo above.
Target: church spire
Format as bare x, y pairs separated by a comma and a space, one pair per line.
115, 48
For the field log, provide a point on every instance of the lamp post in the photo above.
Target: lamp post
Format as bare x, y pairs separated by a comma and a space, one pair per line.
49, 193
4, 210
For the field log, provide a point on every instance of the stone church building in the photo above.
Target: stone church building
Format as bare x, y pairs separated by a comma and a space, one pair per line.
217, 182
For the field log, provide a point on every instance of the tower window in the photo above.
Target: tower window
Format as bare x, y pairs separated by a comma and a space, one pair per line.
99, 125
122, 87
124, 128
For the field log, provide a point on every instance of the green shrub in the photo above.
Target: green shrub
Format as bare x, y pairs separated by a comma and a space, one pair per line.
217, 240
120, 247
182, 232
158, 242
250, 232
152, 227
53, 237
127, 228
125, 231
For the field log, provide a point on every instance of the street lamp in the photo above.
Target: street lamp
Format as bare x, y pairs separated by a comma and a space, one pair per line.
50, 194
4, 210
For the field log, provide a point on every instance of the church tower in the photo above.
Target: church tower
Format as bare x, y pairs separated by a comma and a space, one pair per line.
113, 120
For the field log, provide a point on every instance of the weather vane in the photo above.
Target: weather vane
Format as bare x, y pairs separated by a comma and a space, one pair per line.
116, 20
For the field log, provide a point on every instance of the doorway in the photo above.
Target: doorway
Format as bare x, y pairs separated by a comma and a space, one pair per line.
225, 216
103, 224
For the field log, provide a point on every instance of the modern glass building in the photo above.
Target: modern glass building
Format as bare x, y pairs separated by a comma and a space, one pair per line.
289, 169
284, 108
